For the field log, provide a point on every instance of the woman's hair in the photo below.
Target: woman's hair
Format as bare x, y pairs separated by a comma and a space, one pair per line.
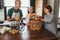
17, 1
48, 7
31, 7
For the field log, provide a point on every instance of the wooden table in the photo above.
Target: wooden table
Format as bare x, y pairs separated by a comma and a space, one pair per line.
27, 34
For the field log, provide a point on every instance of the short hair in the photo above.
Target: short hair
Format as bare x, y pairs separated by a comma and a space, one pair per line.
18, 1
30, 7
48, 7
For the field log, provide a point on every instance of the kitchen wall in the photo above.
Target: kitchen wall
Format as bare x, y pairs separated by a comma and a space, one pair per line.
38, 6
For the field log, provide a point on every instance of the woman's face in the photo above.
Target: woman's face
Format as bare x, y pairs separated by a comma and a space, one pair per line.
46, 10
17, 5
30, 10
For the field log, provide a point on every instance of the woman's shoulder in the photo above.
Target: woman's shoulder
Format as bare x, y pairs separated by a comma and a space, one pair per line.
10, 10
51, 14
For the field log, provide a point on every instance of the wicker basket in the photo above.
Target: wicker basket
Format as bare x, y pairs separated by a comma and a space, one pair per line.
35, 25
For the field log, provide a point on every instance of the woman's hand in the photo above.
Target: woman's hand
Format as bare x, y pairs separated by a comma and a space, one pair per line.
9, 19
42, 20
17, 18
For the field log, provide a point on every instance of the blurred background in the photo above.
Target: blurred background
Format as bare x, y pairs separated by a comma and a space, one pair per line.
37, 6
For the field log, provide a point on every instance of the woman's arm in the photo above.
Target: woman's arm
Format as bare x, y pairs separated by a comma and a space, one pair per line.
48, 20
8, 18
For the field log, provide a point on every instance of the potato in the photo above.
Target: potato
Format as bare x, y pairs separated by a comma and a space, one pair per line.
17, 18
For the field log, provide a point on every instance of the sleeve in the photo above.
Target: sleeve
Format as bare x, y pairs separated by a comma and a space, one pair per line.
49, 19
9, 12
21, 14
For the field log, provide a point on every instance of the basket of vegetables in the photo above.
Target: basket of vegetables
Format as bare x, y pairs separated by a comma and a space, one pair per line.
35, 23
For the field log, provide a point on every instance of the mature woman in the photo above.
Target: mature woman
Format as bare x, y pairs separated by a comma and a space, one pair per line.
49, 19
30, 14
15, 13
30, 10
